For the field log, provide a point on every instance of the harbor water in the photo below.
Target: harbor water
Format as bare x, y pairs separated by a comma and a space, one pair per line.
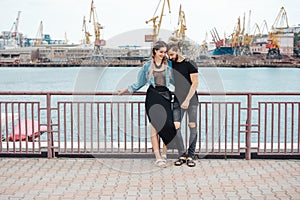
111, 79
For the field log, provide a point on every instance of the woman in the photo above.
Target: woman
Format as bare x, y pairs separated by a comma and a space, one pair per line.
157, 73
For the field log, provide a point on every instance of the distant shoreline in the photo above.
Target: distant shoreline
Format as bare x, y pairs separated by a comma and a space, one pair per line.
138, 64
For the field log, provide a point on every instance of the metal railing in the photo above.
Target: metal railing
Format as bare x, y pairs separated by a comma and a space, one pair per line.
98, 123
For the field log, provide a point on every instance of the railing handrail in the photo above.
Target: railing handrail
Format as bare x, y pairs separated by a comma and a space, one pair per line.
138, 93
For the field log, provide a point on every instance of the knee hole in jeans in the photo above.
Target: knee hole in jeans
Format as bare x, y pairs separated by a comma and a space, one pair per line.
192, 124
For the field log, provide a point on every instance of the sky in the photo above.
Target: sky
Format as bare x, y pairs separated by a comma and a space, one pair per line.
65, 17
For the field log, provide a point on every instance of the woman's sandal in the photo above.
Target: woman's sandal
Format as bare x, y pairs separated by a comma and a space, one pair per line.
180, 161
190, 162
161, 163
164, 156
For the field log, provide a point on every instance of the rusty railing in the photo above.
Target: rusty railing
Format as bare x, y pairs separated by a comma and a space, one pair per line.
98, 123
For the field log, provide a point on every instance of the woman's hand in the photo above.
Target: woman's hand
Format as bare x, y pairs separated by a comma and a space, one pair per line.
120, 92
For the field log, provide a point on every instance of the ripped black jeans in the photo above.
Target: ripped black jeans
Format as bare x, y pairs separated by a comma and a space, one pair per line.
178, 114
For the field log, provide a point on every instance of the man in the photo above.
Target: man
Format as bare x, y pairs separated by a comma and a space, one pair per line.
186, 100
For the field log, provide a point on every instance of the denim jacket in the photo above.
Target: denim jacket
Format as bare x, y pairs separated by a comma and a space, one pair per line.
143, 77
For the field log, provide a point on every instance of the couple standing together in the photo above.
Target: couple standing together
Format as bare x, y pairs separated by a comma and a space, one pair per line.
164, 116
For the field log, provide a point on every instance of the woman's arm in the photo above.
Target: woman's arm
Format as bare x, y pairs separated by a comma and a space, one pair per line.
141, 81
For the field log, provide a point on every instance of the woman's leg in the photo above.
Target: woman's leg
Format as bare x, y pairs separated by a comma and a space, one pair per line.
160, 162
164, 152
154, 141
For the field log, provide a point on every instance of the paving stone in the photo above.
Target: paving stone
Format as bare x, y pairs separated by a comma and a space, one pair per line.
84, 178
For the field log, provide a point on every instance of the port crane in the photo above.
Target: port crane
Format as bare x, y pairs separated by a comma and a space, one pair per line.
182, 24
235, 38
249, 38
216, 38
180, 31
39, 36
280, 23
156, 27
13, 32
204, 44
246, 38
264, 26
16, 25
87, 35
97, 55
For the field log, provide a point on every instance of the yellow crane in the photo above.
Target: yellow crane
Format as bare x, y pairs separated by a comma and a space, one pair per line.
235, 37
39, 36
87, 35
264, 26
156, 27
181, 23
204, 43
280, 23
97, 56
97, 25
247, 38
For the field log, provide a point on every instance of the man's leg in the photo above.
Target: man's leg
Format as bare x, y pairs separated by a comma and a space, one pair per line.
192, 112
177, 115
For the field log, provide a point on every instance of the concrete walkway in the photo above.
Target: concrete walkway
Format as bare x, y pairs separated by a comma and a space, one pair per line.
95, 178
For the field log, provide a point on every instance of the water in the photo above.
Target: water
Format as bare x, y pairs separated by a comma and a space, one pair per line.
110, 79
114, 78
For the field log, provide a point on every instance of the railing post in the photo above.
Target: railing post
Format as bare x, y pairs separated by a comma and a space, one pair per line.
248, 127
49, 128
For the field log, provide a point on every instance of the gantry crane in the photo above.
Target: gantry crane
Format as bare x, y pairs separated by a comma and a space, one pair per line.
280, 23
156, 27
87, 35
97, 55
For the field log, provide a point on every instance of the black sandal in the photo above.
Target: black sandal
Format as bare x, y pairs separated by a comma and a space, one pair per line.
180, 161
190, 162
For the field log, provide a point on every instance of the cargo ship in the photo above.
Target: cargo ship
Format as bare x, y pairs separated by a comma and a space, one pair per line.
223, 50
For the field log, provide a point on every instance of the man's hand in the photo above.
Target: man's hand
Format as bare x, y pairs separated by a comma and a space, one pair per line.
185, 104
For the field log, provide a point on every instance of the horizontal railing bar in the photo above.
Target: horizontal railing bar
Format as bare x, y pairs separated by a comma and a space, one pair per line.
139, 93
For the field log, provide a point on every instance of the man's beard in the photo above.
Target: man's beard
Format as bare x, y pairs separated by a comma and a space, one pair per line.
176, 58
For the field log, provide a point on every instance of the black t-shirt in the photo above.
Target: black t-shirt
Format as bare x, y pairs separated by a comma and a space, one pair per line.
182, 71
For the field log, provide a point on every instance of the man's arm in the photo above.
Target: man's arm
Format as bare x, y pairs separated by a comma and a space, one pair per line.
193, 89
